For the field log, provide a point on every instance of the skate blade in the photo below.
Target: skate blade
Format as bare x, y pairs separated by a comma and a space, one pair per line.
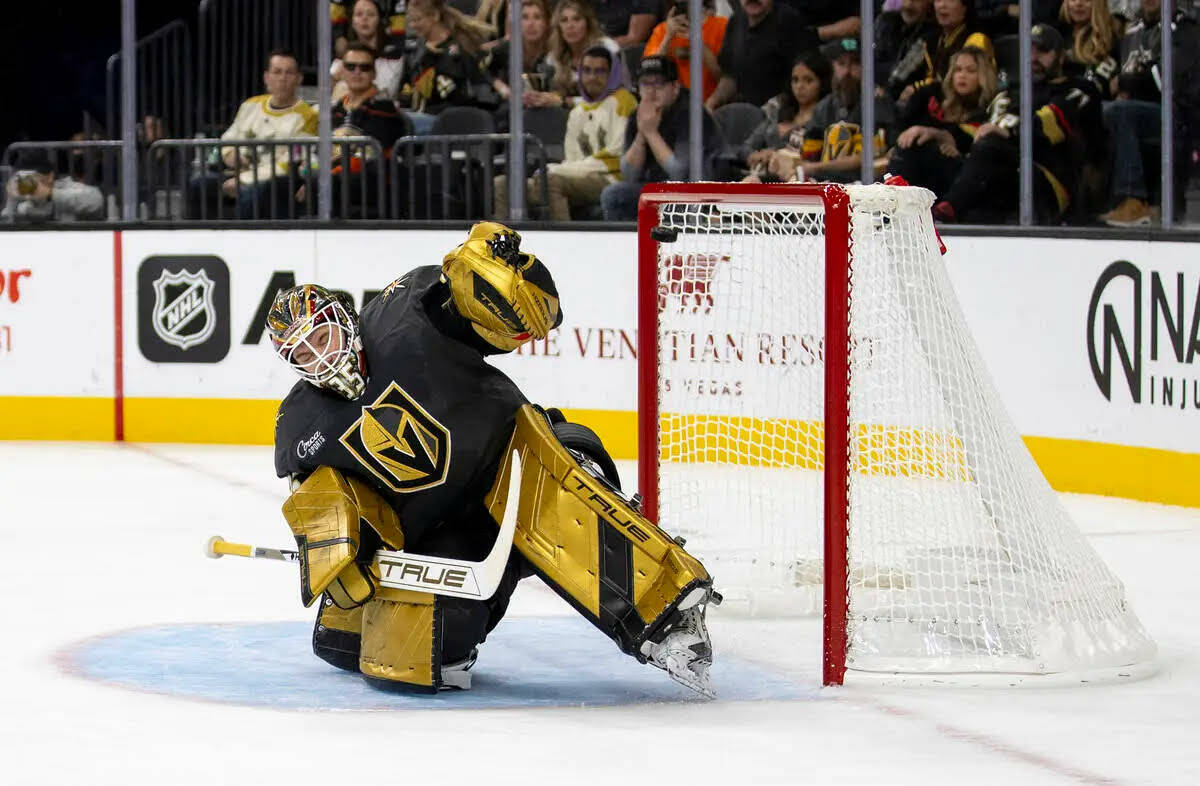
688, 678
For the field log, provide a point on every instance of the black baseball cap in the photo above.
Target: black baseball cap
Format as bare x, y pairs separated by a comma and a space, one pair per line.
657, 65
842, 46
1046, 38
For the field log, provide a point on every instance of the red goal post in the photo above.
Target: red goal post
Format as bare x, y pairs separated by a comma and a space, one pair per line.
836, 205
942, 549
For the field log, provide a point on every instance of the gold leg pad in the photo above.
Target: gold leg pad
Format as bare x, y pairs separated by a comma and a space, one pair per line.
398, 633
565, 528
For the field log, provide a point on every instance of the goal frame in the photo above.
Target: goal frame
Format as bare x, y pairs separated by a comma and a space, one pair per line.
838, 265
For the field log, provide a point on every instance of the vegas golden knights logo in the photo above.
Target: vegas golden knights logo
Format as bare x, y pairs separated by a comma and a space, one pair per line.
400, 443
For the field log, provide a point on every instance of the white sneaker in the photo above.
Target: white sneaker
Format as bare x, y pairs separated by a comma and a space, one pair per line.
685, 652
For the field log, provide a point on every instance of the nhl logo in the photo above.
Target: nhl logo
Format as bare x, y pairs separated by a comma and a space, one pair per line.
183, 314
183, 309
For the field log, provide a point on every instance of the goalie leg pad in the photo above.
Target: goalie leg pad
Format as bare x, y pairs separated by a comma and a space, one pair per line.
337, 635
587, 542
400, 639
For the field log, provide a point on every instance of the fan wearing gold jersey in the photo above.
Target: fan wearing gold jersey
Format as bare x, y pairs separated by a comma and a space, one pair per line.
401, 436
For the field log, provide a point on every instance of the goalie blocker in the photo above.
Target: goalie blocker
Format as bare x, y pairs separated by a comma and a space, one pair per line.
574, 529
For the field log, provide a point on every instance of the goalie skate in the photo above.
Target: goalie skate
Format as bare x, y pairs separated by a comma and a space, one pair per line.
685, 652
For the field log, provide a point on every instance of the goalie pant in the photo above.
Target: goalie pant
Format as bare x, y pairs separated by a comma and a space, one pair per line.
428, 438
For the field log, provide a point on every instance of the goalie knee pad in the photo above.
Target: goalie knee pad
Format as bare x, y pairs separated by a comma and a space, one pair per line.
590, 544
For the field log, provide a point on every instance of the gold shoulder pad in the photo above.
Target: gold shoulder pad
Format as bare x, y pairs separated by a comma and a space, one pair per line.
506, 294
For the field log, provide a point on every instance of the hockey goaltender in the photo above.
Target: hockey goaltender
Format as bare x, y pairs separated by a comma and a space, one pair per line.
405, 448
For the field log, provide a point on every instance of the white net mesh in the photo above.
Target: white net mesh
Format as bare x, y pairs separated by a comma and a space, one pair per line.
960, 556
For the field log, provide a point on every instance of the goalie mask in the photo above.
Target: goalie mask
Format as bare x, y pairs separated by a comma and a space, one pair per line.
315, 331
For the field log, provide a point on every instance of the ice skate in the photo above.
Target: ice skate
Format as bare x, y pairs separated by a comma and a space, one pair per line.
457, 675
685, 651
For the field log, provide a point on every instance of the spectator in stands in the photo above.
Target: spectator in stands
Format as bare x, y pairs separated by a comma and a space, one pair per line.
788, 113
36, 194
1136, 114
956, 28
595, 139
248, 174
362, 111
573, 30
535, 35
369, 25
939, 122
671, 39
761, 41
628, 22
831, 148
442, 70
657, 143
1090, 31
900, 44
1067, 127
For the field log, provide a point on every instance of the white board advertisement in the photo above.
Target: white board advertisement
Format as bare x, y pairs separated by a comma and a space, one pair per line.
1088, 340
178, 285
56, 314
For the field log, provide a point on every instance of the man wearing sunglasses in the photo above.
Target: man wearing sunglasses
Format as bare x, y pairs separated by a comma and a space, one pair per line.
362, 111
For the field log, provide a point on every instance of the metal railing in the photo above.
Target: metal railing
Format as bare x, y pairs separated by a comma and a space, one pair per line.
190, 179
458, 169
91, 162
164, 84
234, 39
440, 177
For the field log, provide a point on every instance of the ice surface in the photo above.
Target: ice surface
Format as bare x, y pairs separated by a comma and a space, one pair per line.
103, 557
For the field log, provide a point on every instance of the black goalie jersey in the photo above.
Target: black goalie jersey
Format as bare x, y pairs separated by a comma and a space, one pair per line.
430, 429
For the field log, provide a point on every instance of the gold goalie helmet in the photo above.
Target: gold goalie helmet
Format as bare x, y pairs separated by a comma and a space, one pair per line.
315, 331
506, 293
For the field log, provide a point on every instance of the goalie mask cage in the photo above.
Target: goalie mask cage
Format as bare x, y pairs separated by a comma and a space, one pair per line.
815, 419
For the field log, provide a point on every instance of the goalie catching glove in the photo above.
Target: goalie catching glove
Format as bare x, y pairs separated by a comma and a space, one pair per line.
506, 294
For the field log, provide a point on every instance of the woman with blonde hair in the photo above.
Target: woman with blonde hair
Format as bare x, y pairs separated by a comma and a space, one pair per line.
940, 121
443, 70
1092, 32
535, 35
573, 30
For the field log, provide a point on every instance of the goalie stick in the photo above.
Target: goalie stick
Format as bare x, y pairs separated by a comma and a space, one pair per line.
404, 570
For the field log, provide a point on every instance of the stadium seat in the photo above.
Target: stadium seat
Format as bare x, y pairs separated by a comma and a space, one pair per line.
548, 124
737, 121
463, 120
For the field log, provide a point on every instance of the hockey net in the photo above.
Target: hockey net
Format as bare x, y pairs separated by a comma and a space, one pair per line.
953, 552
